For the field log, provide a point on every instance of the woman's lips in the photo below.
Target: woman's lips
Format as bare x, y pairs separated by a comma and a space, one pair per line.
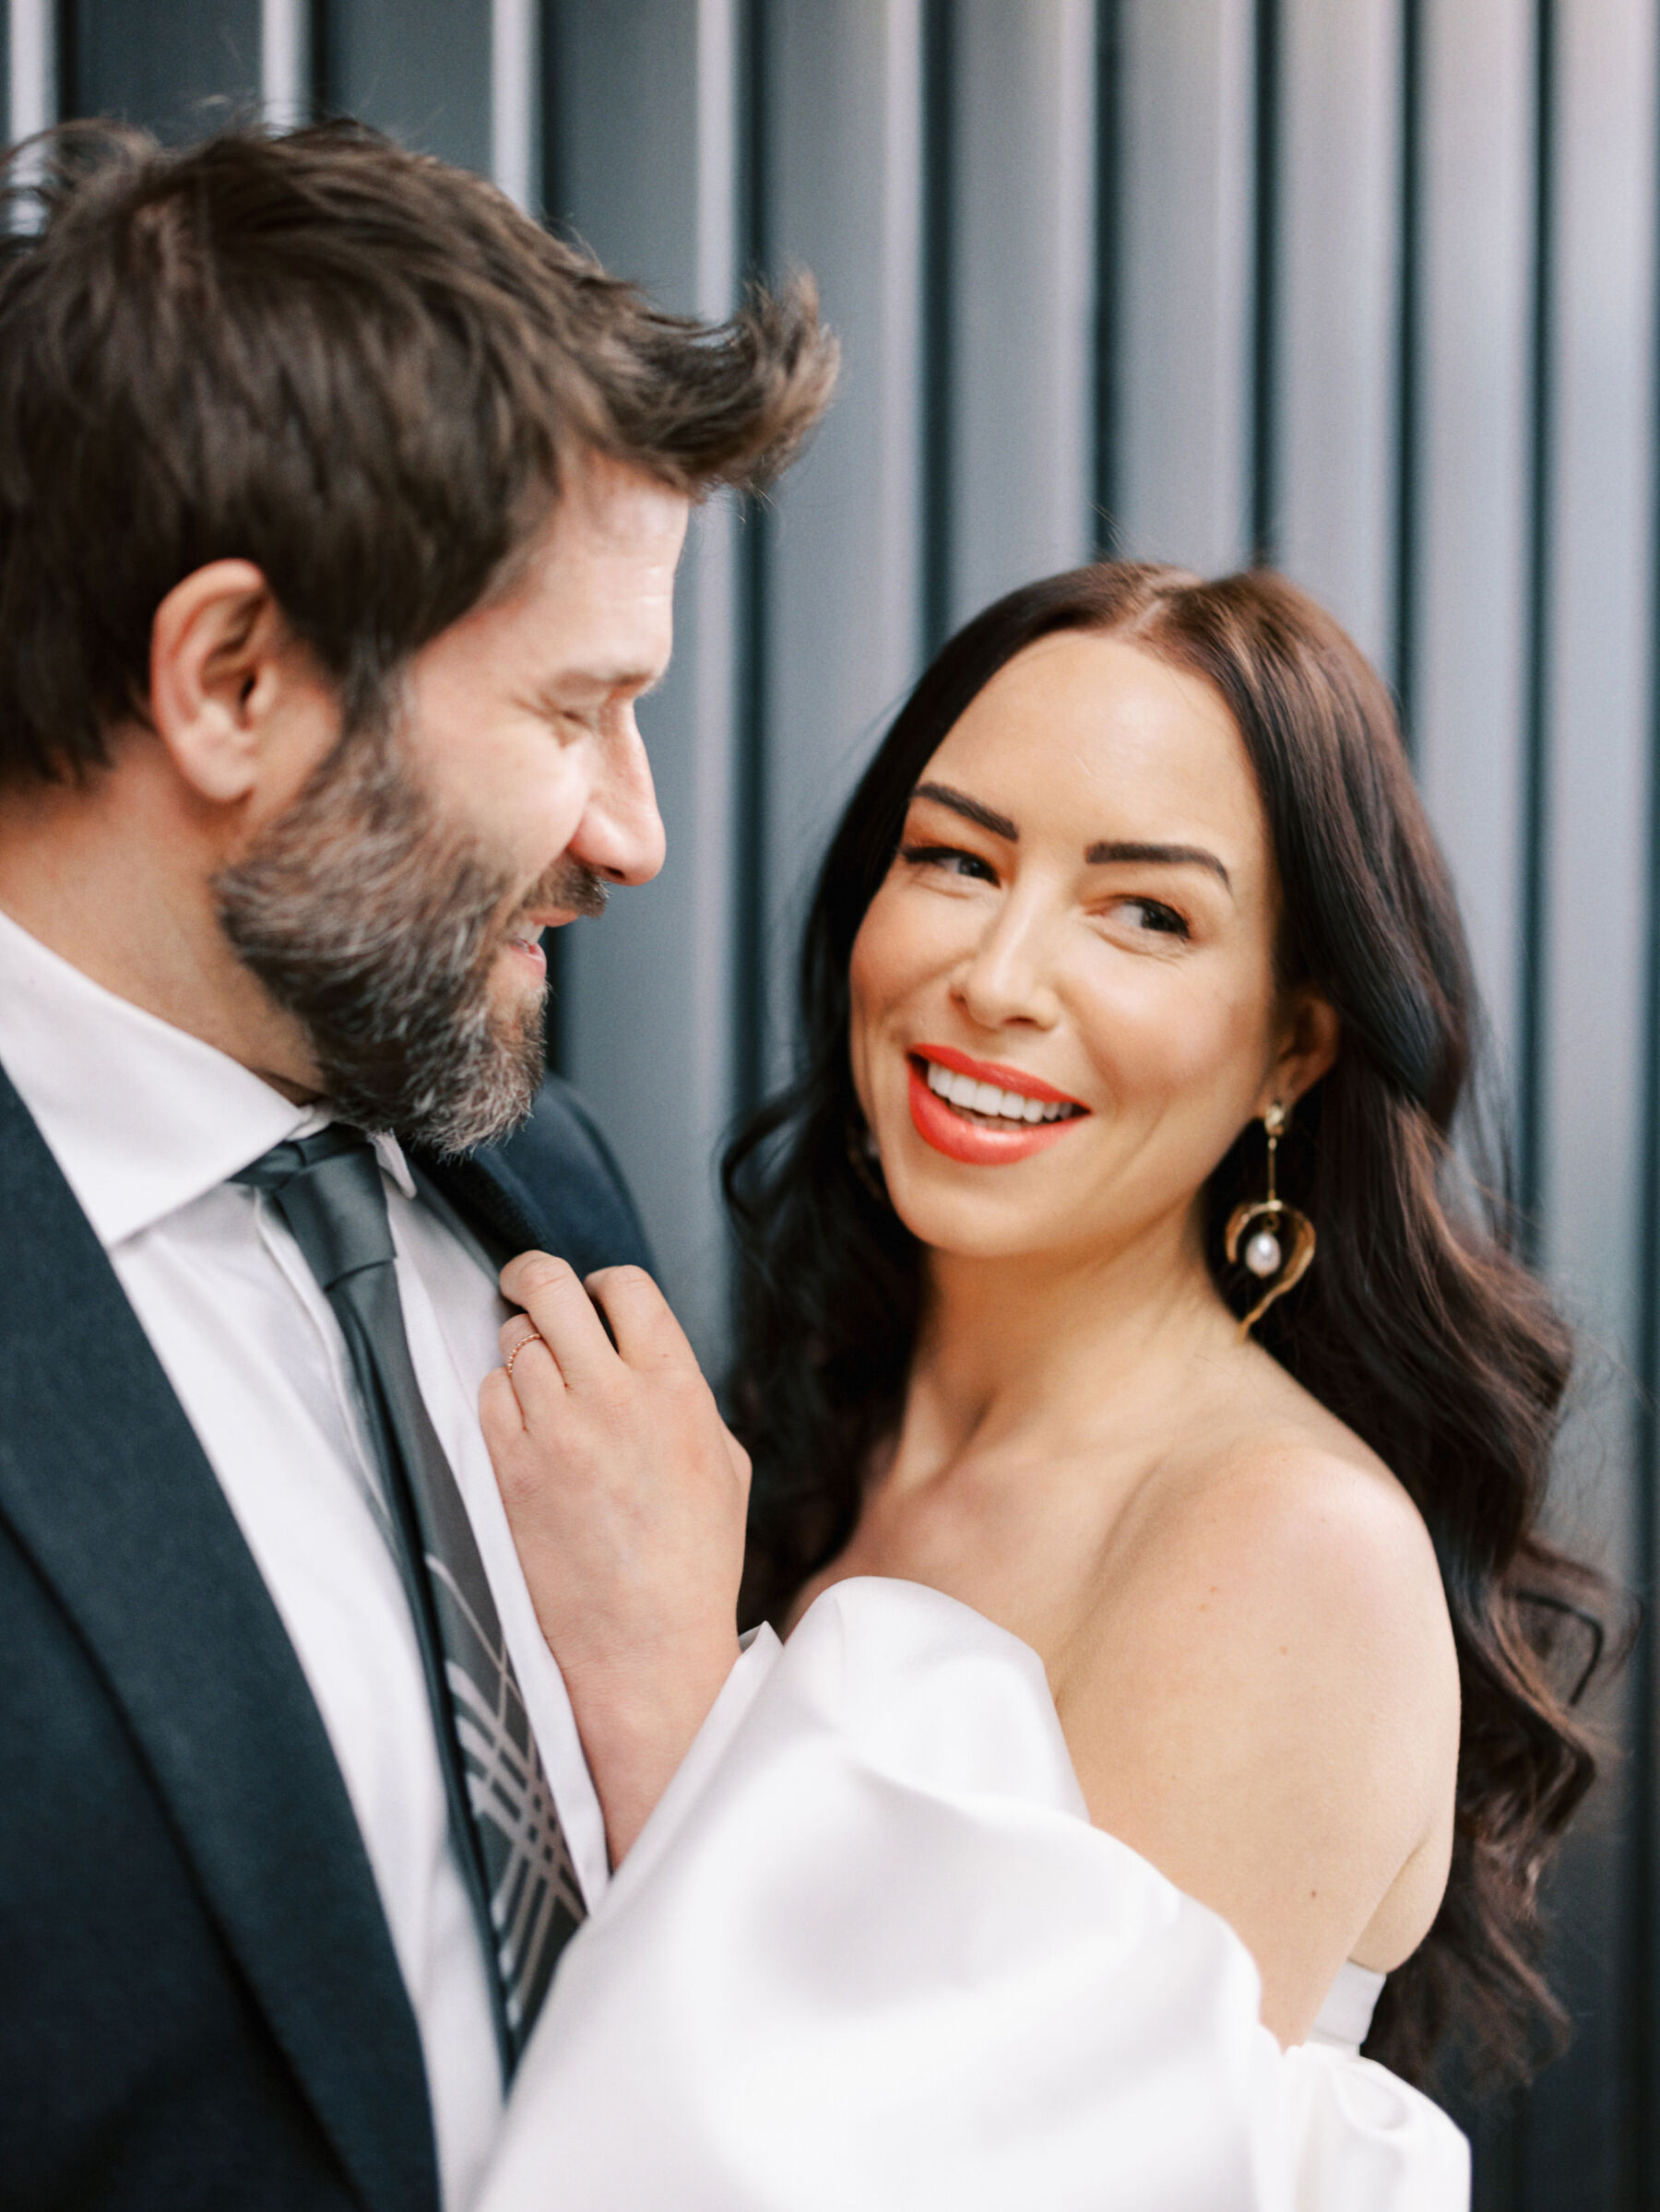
971, 1142
996, 1072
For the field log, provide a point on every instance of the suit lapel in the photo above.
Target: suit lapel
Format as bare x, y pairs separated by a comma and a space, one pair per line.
497, 1203
107, 1488
551, 1185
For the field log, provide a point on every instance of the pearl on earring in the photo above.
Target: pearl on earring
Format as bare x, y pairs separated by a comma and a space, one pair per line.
1263, 1254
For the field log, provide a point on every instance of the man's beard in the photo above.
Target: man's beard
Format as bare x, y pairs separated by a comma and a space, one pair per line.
380, 930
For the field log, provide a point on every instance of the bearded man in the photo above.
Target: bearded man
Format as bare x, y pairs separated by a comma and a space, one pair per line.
339, 508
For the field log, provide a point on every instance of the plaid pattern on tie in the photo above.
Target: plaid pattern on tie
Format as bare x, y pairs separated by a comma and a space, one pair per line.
512, 1849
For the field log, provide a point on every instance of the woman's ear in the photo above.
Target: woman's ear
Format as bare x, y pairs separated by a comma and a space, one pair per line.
217, 652
1308, 1044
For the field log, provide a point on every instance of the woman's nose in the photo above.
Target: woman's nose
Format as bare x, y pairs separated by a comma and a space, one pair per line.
1008, 977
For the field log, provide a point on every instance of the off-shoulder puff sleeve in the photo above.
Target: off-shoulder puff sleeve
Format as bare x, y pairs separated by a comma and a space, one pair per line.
870, 1954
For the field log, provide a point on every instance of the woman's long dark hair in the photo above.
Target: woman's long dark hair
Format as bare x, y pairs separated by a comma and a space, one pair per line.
1418, 1325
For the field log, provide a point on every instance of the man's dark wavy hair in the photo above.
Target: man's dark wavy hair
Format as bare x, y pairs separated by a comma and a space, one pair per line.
1418, 1325
359, 368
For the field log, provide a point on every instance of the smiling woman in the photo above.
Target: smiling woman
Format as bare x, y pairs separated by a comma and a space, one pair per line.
1084, 883
1138, 885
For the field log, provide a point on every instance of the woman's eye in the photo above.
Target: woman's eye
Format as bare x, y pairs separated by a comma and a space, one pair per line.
949, 857
1155, 916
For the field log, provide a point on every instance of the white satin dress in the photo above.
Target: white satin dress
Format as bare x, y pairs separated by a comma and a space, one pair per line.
870, 1955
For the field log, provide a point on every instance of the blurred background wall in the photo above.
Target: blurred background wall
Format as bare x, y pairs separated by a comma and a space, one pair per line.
1364, 288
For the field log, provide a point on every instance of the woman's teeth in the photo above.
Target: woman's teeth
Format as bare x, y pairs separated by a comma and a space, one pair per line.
973, 1097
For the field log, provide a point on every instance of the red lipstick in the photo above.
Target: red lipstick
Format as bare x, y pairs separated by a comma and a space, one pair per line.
996, 1072
971, 1142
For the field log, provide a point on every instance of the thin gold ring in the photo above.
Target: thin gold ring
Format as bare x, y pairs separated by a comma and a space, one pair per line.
535, 1337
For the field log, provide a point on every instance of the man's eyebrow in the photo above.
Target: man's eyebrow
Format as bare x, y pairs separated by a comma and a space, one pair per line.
1159, 855
639, 680
971, 810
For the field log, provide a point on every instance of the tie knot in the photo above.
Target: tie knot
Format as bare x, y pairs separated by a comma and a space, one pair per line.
299, 1156
327, 1189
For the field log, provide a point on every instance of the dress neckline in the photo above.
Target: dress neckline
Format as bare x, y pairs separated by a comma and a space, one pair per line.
1346, 2014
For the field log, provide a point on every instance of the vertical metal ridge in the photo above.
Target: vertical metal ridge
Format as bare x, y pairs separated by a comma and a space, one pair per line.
325, 88
1642, 1985
1408, 398
515, 101
554, 212
62, 57
1108, 534
287, 70
725, 722
37, 74
750, 795
1263, 366
939, 319
718, 159
1533, 919
552, 178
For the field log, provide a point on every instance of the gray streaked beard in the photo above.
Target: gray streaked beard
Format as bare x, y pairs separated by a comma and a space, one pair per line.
378, 930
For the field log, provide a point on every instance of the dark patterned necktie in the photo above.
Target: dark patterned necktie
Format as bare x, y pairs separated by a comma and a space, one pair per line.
512, 1849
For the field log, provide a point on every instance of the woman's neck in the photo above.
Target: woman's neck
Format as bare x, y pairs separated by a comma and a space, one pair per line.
1049, 1353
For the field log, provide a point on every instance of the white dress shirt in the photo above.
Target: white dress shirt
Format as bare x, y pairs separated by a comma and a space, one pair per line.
146, 1122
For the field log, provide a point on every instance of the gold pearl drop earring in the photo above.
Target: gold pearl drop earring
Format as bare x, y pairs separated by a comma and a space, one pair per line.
1265, 1252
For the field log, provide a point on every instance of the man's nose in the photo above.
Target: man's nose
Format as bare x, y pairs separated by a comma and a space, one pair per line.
621, 834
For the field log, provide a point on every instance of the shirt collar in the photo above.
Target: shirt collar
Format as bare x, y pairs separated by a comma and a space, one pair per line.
142, 1118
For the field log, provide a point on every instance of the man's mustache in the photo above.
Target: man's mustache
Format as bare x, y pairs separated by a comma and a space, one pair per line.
570, 885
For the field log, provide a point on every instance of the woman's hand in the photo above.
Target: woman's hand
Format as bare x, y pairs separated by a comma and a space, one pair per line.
626, 1494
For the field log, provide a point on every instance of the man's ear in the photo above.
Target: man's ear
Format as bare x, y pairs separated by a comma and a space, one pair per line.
1311, 1035
219, 646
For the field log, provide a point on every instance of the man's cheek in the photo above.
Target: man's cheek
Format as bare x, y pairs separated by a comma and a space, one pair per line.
516, 784
538, 813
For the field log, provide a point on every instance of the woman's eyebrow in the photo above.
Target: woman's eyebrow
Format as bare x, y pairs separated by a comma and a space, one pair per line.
1159, 855
988, 818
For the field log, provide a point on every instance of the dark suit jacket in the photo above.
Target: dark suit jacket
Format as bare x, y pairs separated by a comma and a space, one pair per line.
199, 2003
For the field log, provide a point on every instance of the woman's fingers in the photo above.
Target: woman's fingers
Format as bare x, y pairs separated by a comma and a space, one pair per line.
517, 1332
647, 1334
625, 1493
516, 1338
501, 1415
644, 1336
562, 1315
529, 1369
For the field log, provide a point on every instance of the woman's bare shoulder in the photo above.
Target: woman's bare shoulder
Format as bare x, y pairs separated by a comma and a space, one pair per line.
1271, 1486
1263, 1694
1289, 1570
1297, 1510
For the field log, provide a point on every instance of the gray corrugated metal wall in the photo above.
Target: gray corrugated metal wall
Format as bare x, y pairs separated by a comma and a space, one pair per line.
1366, 286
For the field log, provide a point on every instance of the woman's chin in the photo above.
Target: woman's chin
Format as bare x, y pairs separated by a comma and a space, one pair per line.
970, 1225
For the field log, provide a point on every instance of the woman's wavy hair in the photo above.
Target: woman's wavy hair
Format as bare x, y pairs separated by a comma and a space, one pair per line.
1419, 1326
